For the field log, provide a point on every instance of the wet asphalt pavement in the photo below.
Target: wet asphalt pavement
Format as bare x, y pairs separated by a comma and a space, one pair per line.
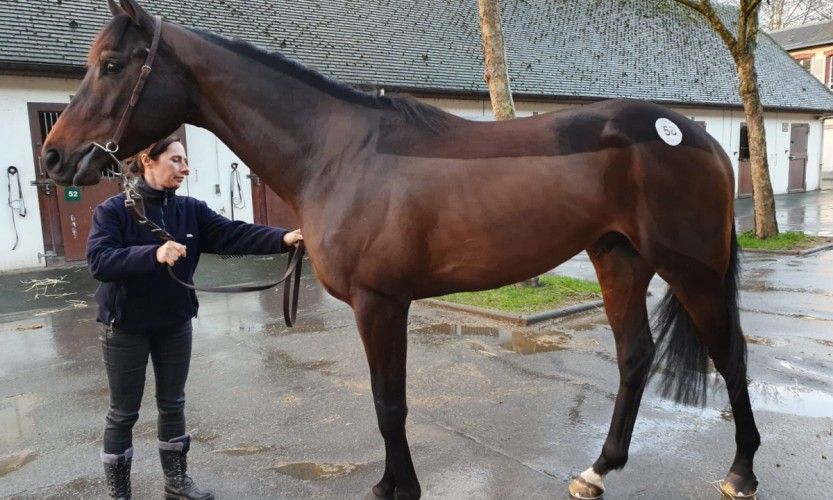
495, 411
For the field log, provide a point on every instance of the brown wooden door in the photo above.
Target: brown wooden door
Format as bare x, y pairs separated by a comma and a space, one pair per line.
64, 224
744, 165
76, 216
798, 156
269, 209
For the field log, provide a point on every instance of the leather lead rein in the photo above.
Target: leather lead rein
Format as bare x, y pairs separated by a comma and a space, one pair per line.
291, 279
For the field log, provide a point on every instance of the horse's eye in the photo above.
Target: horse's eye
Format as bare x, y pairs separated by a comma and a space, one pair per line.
112, 67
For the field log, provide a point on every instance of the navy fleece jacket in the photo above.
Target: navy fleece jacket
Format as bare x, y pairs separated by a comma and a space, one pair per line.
136, 292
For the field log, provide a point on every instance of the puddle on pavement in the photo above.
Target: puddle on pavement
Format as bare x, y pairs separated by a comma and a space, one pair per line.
791, 399
531, 343
15, 417
279, 358
11, 463
824, 342
754, 339
245, 449
518, 341
313, 470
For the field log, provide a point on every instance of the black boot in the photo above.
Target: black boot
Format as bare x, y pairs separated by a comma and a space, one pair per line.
178, 486
117, 470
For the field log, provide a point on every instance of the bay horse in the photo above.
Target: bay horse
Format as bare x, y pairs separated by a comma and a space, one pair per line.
399, 200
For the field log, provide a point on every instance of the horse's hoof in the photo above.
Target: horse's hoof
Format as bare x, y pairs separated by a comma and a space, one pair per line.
379, 493
372, 495
737, 486
579, 488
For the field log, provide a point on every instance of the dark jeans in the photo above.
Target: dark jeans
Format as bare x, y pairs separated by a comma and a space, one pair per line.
126, 357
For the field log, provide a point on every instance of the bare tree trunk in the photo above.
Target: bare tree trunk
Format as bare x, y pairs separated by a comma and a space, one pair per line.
766, 224
742, 47
496, 73
494, 54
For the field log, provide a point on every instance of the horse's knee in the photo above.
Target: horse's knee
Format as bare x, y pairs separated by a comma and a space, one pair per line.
636, 364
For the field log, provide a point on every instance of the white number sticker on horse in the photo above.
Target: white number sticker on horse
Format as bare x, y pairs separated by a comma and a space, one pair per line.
669, 132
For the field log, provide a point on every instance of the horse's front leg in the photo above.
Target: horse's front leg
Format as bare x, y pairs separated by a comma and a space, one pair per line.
383, 324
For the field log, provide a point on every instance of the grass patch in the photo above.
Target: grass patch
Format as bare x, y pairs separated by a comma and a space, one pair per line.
554, 292
789, 240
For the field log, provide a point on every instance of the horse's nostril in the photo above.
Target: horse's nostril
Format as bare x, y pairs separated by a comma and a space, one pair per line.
52, 159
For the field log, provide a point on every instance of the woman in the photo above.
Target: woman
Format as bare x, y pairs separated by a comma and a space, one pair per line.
145, 313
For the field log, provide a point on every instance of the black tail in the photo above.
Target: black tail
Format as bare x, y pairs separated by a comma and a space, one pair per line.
685, 358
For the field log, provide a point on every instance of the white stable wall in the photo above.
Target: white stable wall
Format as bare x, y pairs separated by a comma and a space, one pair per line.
16, 150
210, 178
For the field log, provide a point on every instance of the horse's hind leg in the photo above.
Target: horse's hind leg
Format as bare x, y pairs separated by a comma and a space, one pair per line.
711, 302
383, 323
624, 277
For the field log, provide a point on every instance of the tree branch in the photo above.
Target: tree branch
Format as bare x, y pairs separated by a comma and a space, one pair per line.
714, 20
691, 4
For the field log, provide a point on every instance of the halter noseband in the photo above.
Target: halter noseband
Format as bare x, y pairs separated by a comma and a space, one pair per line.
112, 146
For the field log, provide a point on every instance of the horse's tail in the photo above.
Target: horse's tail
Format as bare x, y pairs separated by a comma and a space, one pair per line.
686, 359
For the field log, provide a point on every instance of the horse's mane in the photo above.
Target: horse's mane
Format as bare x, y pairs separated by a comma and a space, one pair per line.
412, 110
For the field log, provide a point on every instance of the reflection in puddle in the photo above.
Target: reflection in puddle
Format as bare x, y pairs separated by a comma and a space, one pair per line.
448, 329
791, 399
15, 417
11, 463
312, 470
518, 341
529, 343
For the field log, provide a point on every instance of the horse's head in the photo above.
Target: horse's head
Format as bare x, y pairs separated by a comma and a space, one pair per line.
70, 154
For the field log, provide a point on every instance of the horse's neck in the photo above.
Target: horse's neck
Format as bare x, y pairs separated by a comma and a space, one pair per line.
275, 123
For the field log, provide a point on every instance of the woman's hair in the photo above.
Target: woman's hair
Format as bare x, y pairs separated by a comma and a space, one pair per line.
134, 164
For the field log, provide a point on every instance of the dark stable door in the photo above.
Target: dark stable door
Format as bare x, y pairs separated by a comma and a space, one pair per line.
744, 165
798, 156
269, 209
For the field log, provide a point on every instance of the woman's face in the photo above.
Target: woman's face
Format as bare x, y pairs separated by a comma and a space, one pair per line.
169, 170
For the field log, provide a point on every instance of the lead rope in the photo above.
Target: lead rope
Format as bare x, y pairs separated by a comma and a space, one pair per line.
18, 204
134, 204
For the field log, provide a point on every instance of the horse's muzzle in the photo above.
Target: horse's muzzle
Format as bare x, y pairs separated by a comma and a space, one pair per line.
90, 166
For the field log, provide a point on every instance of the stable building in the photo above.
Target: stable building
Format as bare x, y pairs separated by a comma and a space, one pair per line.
811, 45
561, 54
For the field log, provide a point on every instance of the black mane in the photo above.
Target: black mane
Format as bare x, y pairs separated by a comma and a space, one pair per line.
408, 107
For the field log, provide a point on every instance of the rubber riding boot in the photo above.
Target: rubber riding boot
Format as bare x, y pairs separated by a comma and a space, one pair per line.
178, 485
117, 470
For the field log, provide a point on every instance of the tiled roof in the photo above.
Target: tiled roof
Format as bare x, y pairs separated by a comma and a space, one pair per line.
557, 49
808, 35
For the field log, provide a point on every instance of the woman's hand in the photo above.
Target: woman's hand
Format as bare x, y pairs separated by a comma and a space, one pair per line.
169, 253
293, 238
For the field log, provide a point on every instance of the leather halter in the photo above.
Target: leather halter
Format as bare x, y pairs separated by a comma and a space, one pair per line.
112, 145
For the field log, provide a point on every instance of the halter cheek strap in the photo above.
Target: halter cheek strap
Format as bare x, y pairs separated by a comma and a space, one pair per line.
113, 145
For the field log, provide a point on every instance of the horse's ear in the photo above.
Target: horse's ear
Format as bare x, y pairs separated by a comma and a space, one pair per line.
136, 13
114, 8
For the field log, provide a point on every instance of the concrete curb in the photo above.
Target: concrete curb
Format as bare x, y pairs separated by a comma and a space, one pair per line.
518, 319
799, 253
